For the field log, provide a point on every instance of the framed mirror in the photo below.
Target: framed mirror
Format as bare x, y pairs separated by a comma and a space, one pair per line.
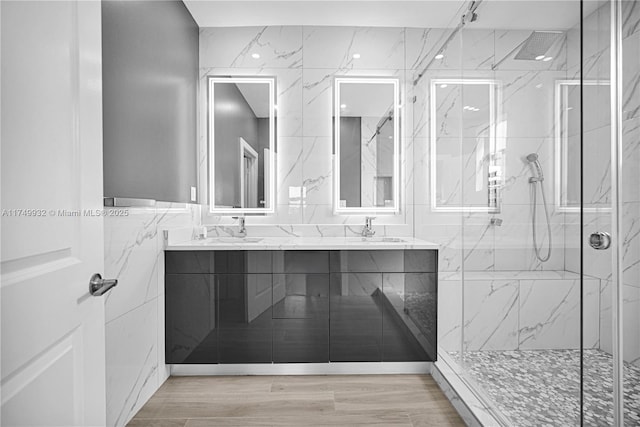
242, 145
467, 140
366, 145
596, 185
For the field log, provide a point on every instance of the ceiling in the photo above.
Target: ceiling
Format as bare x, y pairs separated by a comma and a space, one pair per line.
493, 14
257, 96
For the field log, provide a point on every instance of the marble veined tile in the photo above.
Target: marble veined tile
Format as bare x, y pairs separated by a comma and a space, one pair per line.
550, 314
289, 171
449, 314
527, 102
630, 17
631, 76
317, 171
491, 315
630, 322
631, 325
335, 47
132, 362
468, 50
251, 47
131, 257
631, 162
514, 238
422, 45
631, 243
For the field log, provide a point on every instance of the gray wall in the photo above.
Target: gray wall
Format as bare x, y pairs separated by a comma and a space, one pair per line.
350, 159
229, 125
150, 74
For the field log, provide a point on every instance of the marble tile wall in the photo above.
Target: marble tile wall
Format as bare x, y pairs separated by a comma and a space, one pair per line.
529, 313
526, 125
305, 61
134, 254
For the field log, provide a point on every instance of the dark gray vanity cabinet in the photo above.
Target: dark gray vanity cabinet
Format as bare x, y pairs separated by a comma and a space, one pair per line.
300, 306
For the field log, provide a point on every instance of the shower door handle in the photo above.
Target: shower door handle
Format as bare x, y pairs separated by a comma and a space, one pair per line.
600, 240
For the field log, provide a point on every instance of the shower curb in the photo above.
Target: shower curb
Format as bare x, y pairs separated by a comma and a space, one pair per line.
470, 408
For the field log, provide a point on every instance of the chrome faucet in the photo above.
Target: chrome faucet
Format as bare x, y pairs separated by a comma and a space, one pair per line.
242, 230
367, 230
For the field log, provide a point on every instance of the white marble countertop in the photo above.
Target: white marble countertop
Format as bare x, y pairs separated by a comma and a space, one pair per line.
300, 243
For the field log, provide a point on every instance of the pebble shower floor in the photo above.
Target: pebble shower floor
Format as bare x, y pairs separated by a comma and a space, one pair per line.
541, 388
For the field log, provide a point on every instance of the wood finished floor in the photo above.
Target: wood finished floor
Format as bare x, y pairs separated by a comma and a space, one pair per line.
337, 400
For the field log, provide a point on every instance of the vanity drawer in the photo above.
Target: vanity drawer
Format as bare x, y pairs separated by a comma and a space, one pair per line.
242, 262
363, 261
421, 261
384, 261
303, 262
219, 262
187, 262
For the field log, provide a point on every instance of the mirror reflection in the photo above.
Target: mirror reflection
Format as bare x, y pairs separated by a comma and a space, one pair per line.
367, 145
468, 144
594, 146
241, 144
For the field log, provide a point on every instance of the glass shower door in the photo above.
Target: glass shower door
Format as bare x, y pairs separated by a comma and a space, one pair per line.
529, 157
521, 298
619, 354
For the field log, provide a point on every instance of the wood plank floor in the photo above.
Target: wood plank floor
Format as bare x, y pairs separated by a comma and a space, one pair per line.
339, 400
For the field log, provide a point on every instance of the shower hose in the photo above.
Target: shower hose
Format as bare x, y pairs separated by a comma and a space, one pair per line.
546, 214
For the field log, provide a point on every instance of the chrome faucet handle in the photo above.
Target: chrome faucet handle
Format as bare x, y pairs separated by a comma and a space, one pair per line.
242, 229
367, 230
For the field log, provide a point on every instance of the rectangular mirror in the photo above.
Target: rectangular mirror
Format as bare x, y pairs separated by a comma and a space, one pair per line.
366, 145
467, 140
596, 185
242, 145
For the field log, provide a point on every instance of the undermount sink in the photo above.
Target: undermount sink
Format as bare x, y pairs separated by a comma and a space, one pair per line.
236, 239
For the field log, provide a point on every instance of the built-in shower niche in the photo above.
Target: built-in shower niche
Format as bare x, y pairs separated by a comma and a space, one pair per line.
596, 143
467, 145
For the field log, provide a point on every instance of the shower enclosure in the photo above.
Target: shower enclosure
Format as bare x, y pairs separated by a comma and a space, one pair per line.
526, 125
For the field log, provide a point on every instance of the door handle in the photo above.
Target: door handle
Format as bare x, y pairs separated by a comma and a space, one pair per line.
98, 285
600, 240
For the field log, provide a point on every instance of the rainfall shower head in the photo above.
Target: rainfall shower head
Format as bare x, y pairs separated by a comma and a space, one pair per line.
532, 157
537, 44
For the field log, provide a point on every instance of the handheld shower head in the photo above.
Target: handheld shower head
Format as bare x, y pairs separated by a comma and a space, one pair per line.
533, 160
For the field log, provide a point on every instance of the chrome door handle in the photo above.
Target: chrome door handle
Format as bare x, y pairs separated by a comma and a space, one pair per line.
98, 285
600, 240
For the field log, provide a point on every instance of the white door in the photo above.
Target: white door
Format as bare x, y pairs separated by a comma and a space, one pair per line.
52, 355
